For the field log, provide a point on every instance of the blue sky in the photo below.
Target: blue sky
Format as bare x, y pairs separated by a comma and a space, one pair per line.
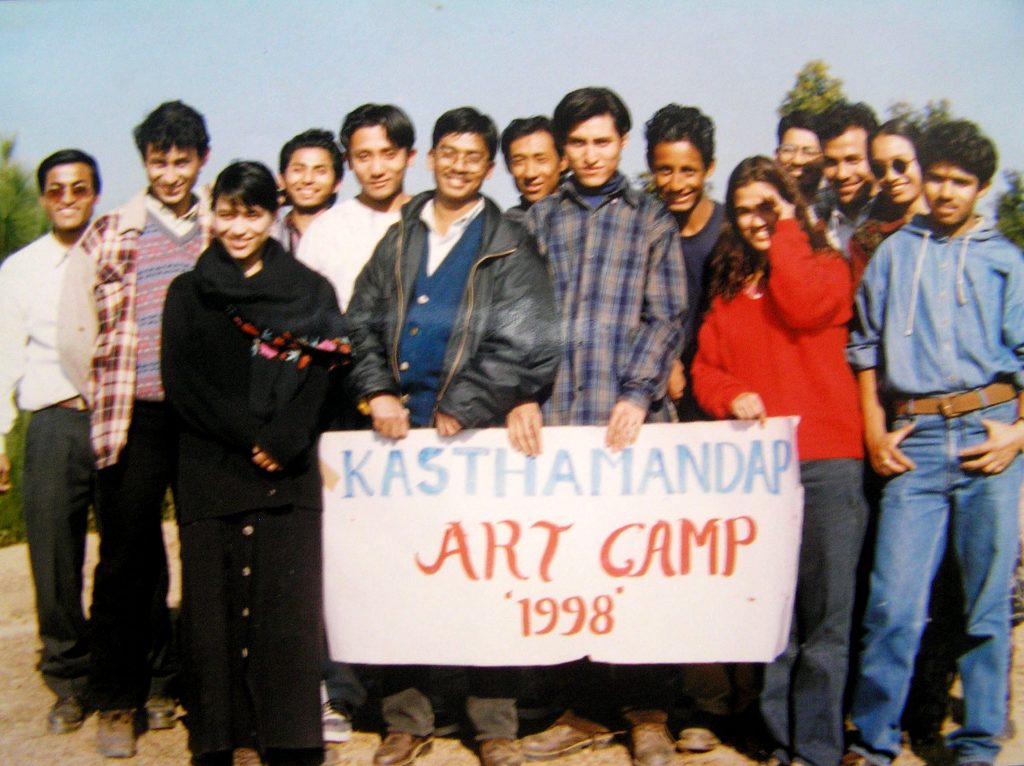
84, 72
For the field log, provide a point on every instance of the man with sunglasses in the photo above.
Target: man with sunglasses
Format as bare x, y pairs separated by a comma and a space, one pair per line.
58, 471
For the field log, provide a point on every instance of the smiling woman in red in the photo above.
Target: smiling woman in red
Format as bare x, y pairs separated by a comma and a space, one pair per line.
773, 344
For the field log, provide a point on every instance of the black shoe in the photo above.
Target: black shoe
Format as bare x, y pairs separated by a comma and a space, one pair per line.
67, 714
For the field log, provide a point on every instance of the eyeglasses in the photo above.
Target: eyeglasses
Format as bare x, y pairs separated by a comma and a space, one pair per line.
789, 151
78, 192
899, 167
472, 160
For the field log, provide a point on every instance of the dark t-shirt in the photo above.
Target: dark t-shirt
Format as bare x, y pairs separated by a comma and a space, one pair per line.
696, 249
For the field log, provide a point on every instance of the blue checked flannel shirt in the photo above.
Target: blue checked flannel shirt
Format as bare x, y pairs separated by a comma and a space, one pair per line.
620, 285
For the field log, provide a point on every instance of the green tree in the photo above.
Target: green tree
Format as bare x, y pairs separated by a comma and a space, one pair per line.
21, 217
814, 90
1010, 208
21, 220
932, 113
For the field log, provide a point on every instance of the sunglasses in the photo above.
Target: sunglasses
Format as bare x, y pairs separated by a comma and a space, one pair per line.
899, 167
78, 192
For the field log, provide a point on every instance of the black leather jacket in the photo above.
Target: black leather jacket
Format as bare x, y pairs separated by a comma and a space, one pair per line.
505, 345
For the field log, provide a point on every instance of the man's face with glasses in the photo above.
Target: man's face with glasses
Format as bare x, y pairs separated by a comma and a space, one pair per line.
800, 155
461, 164
69, 197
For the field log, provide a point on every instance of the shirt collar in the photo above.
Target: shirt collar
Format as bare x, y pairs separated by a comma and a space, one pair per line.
630, 195
158, 208
459, 224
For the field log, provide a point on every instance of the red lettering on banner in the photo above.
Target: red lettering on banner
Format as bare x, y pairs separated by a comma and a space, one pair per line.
606, 549
732, 541
554, 531
454, 543
509, 548
688, 531
601, 621
738, 532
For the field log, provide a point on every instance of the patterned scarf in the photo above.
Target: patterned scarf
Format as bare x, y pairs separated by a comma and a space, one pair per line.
290, 312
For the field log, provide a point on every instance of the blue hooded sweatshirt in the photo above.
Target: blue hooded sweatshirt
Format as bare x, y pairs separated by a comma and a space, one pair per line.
937, 315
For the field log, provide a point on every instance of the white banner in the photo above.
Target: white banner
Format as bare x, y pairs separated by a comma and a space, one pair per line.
462, 551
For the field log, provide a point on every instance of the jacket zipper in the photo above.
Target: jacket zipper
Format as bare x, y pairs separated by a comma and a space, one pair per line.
401, 303
465, 324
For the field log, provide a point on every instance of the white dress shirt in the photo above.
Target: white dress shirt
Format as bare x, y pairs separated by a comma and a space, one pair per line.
439, 245
30, 288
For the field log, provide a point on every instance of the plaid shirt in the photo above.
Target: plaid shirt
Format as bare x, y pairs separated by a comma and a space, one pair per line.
620, 283
111, 247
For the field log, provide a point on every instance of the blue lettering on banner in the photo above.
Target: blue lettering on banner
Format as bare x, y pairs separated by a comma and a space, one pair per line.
426, 458
721, 467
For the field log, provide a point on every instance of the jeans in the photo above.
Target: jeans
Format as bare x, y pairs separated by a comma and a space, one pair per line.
58, 490
802, 699
920, 510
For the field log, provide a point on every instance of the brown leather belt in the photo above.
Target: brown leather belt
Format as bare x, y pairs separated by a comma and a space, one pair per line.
955, 405
74, 403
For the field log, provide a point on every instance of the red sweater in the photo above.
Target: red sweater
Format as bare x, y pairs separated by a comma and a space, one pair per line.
788, 346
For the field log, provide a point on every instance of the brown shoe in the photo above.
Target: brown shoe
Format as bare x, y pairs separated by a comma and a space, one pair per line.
245, 756
115, 733
67, 714
400, 749
161, 712
566, 735
853, 758
697, 739
501, 752
651, 745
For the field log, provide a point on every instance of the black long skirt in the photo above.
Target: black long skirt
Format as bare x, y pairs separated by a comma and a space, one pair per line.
252, 630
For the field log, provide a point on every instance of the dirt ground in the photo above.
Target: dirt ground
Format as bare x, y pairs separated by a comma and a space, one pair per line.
24, 701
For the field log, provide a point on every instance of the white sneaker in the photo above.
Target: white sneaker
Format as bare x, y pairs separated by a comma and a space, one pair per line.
337, 727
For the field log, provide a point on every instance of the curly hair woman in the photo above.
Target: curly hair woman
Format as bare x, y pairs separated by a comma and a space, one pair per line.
772, 344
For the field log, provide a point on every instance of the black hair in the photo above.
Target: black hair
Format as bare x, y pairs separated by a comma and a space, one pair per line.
525, 126
800, 119
466, 119
173, 124
899, 126
246, 183
584, 103
733, 261
68, 157
842, 116
960, 143
395, 122
674, 123
314, 138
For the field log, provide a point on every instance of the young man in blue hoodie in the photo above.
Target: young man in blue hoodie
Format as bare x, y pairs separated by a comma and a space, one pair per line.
939, 350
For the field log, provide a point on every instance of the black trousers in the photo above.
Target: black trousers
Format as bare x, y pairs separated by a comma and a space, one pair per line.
56, 494
132, 638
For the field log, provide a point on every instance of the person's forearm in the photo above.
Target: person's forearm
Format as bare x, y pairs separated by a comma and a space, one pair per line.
871, 407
